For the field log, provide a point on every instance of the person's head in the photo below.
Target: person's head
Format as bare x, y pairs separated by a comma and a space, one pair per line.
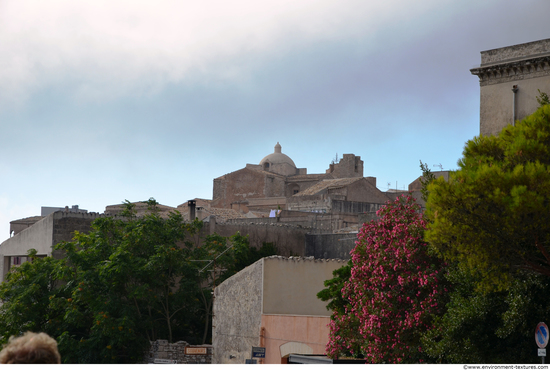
31, 348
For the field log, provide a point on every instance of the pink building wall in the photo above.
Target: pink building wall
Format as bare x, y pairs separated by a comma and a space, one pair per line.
310, 331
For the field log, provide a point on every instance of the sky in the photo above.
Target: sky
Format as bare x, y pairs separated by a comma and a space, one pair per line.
107, 101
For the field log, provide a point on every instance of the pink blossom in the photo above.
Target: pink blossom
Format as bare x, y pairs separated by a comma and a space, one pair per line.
392, 290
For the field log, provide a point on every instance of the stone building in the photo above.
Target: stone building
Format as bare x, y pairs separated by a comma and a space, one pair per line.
509, 80
273, 182
272, 304
326, 196
42, 234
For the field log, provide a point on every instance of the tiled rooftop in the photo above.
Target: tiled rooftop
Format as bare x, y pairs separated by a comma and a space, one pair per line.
325, 184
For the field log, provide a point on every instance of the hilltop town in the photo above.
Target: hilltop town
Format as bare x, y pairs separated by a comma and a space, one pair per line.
311, 219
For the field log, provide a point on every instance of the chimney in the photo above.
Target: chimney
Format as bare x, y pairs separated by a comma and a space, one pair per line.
191, 205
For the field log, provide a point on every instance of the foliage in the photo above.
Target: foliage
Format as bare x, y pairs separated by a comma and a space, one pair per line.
427, 178
128, 281
218, 259
344, 328
543, 98
334, 286
491, 216
494, 327
25, 297
393, 291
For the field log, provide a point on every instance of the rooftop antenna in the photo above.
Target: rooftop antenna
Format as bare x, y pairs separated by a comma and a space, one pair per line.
389, 184
440, 166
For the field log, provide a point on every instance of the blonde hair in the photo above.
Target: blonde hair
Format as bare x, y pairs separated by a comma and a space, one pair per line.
31, 348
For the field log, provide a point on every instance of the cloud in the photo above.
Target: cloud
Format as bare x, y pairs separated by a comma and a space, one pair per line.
106, 49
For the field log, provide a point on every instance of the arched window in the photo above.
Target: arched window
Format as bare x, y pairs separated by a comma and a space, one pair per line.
292, 189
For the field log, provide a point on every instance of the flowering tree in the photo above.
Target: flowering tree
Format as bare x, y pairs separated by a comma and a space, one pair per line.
393, 290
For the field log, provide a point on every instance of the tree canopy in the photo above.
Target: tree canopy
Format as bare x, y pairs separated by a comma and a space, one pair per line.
489, 327
492, 215
127, 282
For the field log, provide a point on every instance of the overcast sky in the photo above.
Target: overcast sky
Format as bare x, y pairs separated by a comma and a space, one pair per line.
102, 101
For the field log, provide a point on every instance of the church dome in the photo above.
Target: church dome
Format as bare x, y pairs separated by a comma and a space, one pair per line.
277, 158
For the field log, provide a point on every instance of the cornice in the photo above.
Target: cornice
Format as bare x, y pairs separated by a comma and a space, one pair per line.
512, 70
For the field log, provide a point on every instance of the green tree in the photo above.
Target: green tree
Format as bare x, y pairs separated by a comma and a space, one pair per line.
333, 291
25, 297
427, 178
491, 216
543, 98
344, 326
130, 280
218, 258
494, 327
127, 282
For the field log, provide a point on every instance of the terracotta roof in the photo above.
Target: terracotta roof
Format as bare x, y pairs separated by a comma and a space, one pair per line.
141, 209
223, 214
327, 184
199, 202
29, 219
311, 177
252, 169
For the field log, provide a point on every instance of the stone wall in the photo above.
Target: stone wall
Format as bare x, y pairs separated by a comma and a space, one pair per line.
309, 203
303, 233
348, 166
246, 184
289, 239
328, 246
367, 217
316, 223
66, 223
343, 206
263, 204
237, 315
178, 353
274, 186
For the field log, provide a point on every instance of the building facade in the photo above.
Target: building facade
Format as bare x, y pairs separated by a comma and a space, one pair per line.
510, 79
276, 180
41, 235
272, 304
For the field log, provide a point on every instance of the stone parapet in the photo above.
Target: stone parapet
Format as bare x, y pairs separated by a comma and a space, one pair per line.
514, 63
163, 352
515, 52
513, 70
